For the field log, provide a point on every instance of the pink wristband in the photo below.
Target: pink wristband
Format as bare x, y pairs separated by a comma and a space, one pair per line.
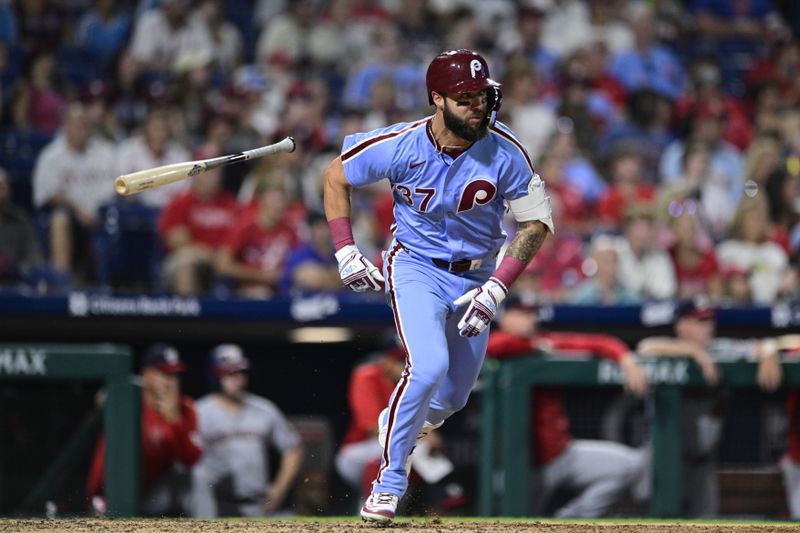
341, 232
508, 271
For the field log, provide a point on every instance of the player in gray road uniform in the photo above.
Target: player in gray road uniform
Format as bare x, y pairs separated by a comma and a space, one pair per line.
236, 427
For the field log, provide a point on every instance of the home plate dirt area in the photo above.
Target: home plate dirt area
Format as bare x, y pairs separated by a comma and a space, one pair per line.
410, 525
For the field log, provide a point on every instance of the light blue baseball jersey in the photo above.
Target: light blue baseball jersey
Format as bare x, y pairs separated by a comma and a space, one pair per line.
445, 208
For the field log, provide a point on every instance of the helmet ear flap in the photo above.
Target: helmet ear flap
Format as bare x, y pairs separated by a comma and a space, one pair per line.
494, 98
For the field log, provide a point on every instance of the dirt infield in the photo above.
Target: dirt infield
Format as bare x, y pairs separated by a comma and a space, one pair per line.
347, 525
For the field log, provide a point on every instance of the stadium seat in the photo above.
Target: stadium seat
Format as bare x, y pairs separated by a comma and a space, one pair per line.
19, 150
79, 66
127, 246
240, 13
45, 280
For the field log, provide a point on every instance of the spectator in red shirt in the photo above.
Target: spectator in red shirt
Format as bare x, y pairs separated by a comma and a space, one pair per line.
695, 261
169, 439
38, 104
192, 226
556, 269
599, 471
576, 213
707, 90
255, 251
627, 187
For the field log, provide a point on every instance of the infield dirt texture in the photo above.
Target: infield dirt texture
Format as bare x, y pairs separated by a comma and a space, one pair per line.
350, 525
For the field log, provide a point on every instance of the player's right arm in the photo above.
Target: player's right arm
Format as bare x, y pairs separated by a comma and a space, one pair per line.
356, 271
336, 191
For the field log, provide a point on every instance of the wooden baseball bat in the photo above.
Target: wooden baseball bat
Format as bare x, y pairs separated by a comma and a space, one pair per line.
142, 180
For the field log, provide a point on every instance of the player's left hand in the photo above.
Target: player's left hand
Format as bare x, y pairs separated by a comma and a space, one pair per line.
358, 272
483, 303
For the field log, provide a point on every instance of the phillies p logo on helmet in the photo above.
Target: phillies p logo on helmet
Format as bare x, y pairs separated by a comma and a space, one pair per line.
474, 67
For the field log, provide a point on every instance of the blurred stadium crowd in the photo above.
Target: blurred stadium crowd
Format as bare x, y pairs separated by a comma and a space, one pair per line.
667, 131
668, 134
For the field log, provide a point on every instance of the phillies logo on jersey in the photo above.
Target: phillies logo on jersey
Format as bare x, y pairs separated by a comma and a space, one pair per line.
477, 192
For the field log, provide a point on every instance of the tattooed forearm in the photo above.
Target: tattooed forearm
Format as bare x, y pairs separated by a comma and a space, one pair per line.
530, 236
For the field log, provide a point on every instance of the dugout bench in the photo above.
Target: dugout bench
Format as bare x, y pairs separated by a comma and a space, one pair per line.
111, 364
506, 386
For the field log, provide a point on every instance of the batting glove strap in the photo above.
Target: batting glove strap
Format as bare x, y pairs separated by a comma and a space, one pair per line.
483, 303
356, 271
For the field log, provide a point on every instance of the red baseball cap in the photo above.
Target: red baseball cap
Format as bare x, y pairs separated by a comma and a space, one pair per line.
165, 358
698, 308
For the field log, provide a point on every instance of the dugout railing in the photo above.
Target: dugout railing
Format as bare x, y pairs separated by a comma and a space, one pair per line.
506, 402
113, 365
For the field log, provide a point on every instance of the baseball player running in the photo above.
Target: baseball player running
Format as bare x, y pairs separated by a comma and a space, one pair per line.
452, 175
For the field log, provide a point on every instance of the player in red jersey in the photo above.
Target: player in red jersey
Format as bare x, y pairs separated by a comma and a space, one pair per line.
169, 439
598, 471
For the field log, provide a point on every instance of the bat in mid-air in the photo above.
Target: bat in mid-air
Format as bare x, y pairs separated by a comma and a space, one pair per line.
142, 180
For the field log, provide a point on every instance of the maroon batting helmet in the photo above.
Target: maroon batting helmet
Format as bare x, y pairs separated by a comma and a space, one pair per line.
463, 71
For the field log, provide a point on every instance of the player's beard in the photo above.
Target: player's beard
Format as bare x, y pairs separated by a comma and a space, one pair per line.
462, 128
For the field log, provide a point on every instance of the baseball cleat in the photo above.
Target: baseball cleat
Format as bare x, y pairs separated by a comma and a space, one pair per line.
380, 507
